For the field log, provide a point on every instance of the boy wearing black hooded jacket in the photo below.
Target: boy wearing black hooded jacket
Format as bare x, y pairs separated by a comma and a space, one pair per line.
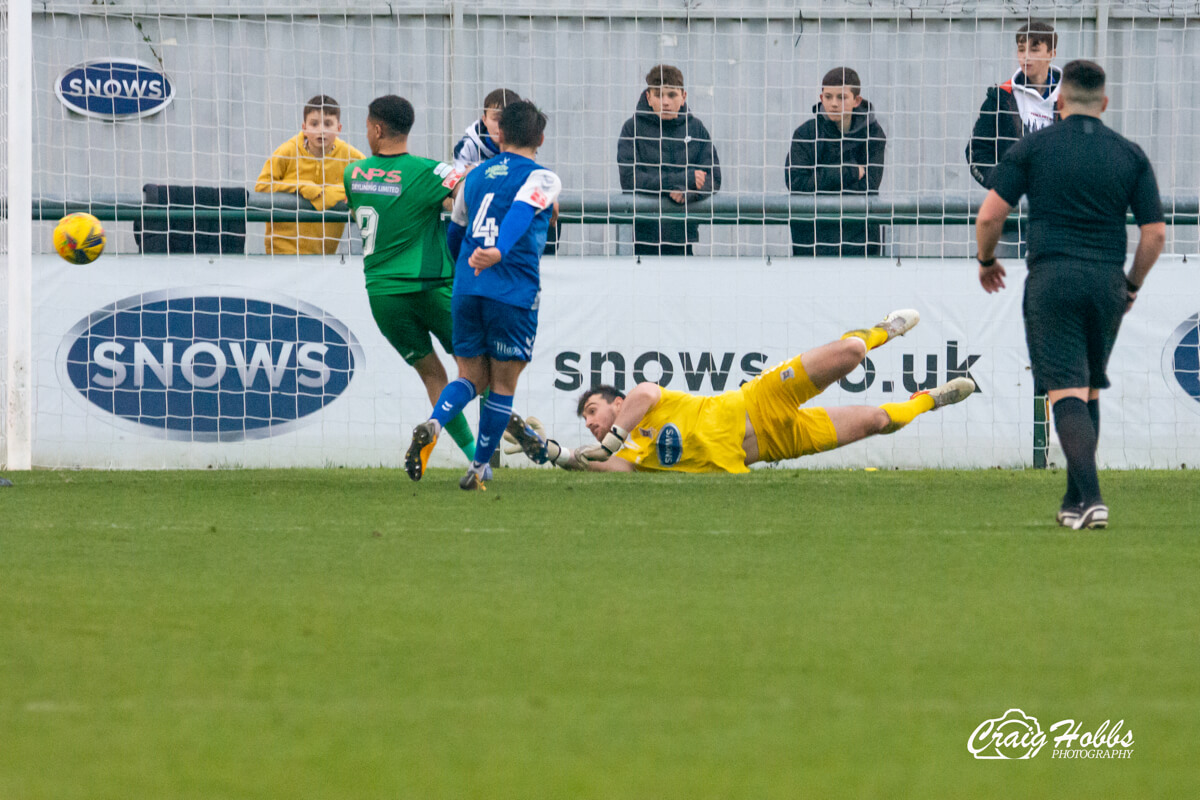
664, 150
841, 151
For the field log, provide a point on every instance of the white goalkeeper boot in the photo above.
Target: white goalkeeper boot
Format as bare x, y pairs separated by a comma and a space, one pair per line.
900, 322
951, 392
894, 324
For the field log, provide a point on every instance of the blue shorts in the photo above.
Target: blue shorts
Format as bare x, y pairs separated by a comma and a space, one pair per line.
487, 327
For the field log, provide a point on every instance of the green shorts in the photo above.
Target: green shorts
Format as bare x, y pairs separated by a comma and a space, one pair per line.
407, 320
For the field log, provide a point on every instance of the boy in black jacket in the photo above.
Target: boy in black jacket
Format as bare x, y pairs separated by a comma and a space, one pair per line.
664, 150
841, 151
1022, 104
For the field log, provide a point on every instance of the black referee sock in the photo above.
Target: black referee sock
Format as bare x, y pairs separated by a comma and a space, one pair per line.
1077, 435
1072, 496
1094, 412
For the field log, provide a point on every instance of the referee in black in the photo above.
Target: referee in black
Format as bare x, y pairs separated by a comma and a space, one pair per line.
1081, 179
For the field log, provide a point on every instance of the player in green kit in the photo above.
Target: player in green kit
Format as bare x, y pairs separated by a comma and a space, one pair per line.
397, 200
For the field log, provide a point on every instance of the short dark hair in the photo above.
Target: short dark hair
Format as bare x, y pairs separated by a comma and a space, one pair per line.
500, 98
606, 391
522, 124
1036, 32
323, 104
842, 76
664, 75
393, 112
1083, 83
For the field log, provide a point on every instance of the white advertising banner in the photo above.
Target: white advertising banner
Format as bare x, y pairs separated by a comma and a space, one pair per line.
199, 362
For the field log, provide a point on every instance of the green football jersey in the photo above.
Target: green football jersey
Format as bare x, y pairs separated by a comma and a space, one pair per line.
397, 203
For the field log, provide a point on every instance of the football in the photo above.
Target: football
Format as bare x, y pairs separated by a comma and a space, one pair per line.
79, 238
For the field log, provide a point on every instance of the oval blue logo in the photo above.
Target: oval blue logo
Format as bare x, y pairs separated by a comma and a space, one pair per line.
202, 365
669, 445
1181, 358
114, 89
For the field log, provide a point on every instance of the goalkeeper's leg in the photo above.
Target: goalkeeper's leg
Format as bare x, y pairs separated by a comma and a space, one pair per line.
853, 423
835, 360
894, 324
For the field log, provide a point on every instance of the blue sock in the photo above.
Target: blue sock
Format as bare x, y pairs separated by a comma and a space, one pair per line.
493, 419
452, 400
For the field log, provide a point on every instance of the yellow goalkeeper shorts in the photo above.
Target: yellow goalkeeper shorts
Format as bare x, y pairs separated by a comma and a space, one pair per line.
785, 430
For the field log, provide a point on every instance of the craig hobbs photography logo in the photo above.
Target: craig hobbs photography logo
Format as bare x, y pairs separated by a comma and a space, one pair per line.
1016, 735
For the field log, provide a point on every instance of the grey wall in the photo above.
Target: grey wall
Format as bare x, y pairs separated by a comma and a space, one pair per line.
752, 72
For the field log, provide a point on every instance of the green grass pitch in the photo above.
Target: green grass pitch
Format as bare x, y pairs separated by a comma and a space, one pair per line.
348, 634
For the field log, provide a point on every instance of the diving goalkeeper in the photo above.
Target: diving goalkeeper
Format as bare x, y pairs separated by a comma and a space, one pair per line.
653, 428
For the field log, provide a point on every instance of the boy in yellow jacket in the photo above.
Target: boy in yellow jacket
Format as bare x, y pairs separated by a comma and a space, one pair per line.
311, 164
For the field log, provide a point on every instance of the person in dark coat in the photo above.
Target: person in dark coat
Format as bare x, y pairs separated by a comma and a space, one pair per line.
1022, 104
665, 151
840, 151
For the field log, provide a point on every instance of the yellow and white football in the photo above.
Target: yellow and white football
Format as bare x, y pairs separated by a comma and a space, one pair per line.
79, 238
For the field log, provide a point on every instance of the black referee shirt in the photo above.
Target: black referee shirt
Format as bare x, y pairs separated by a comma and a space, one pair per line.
1081, 178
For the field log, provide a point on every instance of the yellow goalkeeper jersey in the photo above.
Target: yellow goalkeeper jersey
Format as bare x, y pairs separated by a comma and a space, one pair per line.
688, 433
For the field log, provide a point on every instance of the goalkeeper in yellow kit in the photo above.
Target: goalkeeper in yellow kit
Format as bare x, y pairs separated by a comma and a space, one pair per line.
653, 428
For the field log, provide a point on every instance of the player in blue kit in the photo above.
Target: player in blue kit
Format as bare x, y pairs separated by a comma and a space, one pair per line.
498, 231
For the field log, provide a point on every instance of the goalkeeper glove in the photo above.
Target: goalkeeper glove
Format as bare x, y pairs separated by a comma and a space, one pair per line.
613, 441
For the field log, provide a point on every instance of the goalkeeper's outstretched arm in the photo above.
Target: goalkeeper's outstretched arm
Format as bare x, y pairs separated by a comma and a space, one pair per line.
529, 437
611, 430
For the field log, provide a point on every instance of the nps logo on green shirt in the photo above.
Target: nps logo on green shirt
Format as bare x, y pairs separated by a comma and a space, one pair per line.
363, 180
364, 187
496, 170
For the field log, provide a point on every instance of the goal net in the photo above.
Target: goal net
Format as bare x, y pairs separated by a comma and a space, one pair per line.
227, 323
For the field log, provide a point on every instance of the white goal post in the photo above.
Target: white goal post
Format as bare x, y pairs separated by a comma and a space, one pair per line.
16, 242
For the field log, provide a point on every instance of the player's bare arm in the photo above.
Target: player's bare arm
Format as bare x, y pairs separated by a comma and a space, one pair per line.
636, 406
989, 224
609, 423
1152, 238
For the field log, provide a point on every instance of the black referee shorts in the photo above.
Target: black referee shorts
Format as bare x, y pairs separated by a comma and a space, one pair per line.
1072, 314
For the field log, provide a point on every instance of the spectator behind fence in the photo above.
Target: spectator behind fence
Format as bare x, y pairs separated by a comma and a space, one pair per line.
840, 151
310, 164
478, 143
665, 151
1022, 104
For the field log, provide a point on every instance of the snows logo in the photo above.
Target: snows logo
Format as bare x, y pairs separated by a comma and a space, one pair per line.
208, 364
669, 446
1016, 735
118, 88
1181, 361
